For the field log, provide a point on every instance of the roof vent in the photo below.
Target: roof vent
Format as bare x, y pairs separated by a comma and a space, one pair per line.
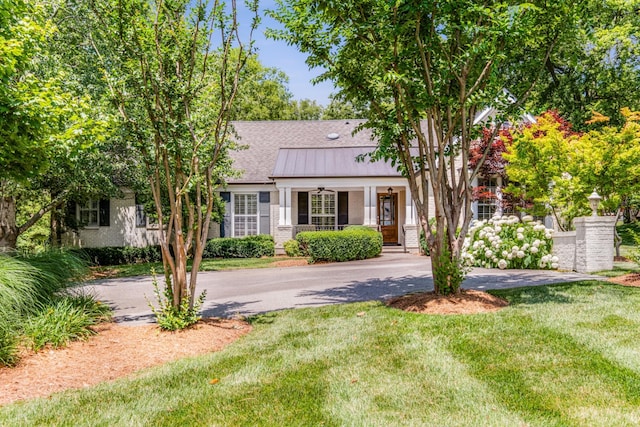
333, 136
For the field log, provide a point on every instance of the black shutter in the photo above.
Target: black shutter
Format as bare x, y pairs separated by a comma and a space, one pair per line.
303, 207
225, 225
105, 213
70, 215
343, 207
265, 208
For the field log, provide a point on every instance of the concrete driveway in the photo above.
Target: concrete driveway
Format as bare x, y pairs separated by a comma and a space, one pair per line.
245, 292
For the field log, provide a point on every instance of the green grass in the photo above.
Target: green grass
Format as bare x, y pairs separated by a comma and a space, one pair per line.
216, 264
563, 355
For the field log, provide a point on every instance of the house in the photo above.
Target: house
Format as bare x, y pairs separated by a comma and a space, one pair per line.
295, 176
304, 175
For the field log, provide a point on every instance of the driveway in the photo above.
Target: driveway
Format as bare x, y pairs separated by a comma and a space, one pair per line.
246, 292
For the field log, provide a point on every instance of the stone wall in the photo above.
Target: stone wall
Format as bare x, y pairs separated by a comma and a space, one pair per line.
589, 248
564, 247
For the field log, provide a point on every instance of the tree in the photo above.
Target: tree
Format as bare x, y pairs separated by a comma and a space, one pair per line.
596, 67
263, 93
48, 132
427, 69
341, 109
175, 93
558, 168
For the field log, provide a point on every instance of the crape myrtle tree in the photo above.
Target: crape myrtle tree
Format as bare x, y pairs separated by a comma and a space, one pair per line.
173, 69
426, 69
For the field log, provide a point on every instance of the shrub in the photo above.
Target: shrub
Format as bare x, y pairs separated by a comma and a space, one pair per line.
340, 246
67, 319
172, 318
292, 248
240, 247
115, 255
8, 346
505, 242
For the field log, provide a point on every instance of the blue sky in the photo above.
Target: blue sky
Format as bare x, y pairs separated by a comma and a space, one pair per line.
275, 53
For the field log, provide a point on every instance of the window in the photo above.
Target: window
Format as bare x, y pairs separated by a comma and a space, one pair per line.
487, 202
245, 215
323, 209
88, 213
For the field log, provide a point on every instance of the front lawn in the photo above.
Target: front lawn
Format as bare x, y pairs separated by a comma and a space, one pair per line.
213, 264
563, 355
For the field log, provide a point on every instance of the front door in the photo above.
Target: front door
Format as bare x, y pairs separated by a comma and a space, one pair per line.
388, 217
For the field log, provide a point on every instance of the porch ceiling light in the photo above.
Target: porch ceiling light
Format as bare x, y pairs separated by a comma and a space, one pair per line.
594, 201
390, 190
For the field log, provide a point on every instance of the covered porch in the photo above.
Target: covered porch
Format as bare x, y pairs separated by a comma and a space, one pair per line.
322, 204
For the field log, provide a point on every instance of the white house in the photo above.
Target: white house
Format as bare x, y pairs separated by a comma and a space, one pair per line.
295, 176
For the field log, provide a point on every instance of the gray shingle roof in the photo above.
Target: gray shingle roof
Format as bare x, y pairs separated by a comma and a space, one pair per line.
265, 138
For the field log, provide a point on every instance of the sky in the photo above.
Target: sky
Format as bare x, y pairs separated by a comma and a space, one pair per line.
276, 53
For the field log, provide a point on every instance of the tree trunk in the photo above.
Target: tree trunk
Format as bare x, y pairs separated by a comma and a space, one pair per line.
8, 227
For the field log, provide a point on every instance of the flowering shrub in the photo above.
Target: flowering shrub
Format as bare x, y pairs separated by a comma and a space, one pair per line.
505, 242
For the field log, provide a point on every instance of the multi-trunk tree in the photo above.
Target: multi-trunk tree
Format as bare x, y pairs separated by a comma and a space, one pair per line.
173, 70
426, 69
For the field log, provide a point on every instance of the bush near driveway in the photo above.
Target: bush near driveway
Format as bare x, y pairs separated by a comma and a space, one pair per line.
350, 244
118, 255
240, 247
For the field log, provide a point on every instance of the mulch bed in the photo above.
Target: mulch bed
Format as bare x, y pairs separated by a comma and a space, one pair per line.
467, 301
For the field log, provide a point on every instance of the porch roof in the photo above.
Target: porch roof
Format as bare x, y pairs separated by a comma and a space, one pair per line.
329, 162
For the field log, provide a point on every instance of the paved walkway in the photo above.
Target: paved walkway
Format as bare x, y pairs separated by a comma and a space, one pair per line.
245, 292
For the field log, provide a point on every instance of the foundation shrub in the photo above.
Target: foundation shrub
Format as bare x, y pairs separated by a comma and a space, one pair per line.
240, 247
336, 246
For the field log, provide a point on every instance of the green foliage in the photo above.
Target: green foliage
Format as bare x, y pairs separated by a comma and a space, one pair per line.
558, 168
67, 319
117, 255
292, 248
627, 231
448, 273
8, 345
595, 67
35, 301
240, 247
169, 316
345, 245
634, 254
508, 243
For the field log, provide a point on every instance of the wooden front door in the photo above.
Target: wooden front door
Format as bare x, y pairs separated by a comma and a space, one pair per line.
388, 217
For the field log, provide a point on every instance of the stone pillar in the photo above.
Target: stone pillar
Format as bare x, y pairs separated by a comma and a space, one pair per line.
411, 238
594, 243
564, 247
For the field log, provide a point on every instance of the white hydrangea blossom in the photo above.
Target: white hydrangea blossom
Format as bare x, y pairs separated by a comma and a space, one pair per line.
506, 242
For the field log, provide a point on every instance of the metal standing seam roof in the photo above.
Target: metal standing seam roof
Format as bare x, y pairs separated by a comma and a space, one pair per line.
329, 162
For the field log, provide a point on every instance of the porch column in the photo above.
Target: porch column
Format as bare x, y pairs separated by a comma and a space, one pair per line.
410, 208
285, 206
370, 205
281, 217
